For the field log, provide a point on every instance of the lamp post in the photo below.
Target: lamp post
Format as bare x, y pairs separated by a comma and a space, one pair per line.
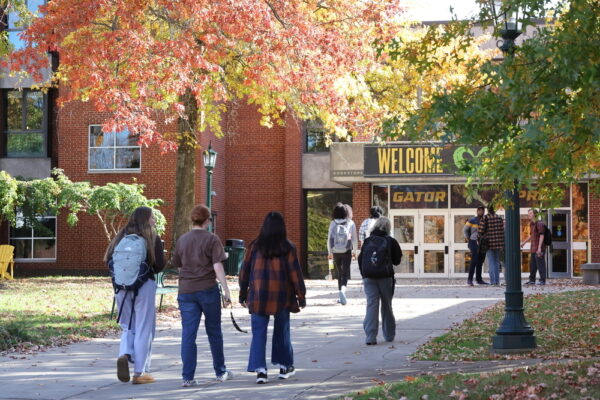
210, 160
514, 332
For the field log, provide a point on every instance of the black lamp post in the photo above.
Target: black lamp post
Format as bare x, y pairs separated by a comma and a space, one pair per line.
514, 332
210, 160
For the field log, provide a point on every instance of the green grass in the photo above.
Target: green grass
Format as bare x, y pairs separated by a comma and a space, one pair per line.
572, 380
54, 311
566, 325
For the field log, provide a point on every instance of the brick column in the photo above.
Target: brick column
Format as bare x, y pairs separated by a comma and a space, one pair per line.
594, 226
361, 202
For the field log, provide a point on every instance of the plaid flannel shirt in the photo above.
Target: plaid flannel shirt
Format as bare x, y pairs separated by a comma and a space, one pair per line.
492, 228
269, 285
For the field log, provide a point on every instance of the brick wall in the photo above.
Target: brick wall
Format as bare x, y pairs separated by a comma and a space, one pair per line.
361, 202
594, 226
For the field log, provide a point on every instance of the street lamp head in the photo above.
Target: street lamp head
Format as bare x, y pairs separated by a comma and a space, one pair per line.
509, 20
210, 157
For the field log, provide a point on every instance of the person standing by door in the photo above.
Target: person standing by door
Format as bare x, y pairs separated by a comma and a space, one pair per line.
491, 230
537, 249
341, 240
470, 232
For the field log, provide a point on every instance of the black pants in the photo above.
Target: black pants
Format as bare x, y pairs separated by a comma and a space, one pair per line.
537, 264
477, 260
341, 263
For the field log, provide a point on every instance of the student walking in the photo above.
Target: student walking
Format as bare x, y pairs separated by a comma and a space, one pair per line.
537, 249
477, 257
137, 242
367, 225
271, 284
491, 230
376, 261
341, 240
199, 255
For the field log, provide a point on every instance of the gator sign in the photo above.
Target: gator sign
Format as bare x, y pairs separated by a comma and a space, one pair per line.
413, 160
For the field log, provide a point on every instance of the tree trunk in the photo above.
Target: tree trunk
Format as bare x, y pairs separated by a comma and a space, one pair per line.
185, 177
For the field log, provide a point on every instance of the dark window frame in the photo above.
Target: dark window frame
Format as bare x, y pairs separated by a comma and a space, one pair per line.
23, 131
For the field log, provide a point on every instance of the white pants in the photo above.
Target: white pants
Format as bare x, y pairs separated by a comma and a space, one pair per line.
136, 340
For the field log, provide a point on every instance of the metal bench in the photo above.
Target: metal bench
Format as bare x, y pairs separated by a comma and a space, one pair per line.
591, 273
161, 288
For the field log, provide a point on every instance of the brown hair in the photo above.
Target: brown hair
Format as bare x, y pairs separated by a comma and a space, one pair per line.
199, 214
138, 224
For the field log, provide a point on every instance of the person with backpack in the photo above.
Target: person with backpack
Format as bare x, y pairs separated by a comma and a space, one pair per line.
341, 240
378, 255
134, 256
539, 238
199, 256
367, 225
271, 284
491, 230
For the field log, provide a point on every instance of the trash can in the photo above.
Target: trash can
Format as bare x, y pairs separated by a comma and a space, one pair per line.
235, 250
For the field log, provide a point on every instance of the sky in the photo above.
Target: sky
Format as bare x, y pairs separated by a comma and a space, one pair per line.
439, 10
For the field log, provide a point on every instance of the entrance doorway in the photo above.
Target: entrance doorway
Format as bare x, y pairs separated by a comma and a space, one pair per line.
423, 238
559, 262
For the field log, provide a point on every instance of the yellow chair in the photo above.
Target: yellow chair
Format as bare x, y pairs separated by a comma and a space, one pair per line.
6, 260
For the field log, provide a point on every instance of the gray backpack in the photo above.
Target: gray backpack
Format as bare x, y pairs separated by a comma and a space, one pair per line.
128, 267
341, 235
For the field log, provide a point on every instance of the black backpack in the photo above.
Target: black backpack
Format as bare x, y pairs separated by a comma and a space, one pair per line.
376, 258
547, 236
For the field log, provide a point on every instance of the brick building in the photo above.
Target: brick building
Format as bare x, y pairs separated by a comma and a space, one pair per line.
288, 169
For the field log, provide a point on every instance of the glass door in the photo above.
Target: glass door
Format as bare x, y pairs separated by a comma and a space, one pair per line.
434, 243
559, 258
403, 230
460, 255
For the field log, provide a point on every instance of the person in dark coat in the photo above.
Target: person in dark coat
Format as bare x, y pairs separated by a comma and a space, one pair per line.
379, 289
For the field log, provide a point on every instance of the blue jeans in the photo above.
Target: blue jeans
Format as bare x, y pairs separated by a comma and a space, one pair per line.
282, 352
493, 256
192, 306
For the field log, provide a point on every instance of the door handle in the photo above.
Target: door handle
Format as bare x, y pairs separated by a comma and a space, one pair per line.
416, 249
445, 249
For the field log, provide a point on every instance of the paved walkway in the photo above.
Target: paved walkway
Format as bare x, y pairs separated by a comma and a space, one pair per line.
330, 355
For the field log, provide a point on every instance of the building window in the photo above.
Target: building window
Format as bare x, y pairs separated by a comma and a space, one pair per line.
16, 26
113, 151
316, 138
37, 242
26, 130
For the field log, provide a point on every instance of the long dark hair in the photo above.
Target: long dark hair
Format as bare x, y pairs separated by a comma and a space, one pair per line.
139, 224
272, 241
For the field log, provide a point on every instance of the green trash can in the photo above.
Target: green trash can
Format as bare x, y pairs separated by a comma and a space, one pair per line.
235, 250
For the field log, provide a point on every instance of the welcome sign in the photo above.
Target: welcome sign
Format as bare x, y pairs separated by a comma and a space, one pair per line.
394, 160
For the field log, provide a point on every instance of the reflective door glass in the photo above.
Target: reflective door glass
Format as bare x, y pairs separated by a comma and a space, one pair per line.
404, 228
559, 260
459, 224
433, 229
559, 228
407, 265
433, 261
462, 259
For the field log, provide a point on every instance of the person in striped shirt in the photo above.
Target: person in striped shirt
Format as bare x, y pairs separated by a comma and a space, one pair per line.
271, 284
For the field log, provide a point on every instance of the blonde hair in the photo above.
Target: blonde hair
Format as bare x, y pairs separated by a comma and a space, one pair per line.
138, 224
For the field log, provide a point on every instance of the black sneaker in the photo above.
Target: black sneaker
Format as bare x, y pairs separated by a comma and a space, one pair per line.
482, 283
530, 283
261, 377
285, 373
470, 283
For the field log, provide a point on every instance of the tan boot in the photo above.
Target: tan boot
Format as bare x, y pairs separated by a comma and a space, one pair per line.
145, 378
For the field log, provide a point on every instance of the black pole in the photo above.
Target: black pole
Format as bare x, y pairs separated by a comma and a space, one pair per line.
514, 333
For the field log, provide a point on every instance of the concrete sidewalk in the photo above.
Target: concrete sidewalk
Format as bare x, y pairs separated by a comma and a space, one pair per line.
330, 355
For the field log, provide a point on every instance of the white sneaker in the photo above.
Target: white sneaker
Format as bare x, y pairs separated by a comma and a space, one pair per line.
189, 383
227, 375
343, 296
